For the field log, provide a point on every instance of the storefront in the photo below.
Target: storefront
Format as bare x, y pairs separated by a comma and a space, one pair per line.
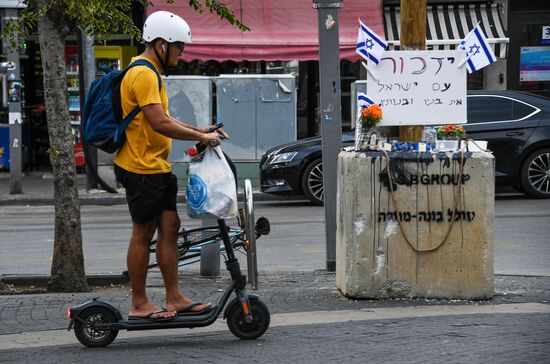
448, 22
114, 54
284, 39
529, 55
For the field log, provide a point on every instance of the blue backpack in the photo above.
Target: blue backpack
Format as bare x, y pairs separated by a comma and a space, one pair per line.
103, 124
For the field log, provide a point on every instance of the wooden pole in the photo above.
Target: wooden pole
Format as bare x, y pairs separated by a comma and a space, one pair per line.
413, 37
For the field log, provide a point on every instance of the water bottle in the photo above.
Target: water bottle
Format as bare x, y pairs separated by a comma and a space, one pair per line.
218, 203
429, 137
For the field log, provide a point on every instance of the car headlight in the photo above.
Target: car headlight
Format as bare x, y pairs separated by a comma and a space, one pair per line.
282, 158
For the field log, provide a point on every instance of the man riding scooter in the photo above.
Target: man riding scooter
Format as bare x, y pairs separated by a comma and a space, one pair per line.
142, 167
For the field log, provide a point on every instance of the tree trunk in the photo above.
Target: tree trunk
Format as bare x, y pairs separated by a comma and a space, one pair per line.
413, 37
67, 274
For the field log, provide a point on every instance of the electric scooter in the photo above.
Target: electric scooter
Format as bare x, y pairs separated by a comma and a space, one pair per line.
96, 323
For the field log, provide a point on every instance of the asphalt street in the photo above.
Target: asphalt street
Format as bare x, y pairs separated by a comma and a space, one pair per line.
297, 240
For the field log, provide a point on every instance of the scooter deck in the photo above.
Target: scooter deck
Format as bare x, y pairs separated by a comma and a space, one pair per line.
180, 321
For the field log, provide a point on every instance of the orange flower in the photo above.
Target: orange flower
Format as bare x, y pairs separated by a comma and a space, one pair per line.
371, 115
374, 111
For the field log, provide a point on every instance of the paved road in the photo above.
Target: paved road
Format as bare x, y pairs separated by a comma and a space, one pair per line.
311, 323
451, 339
297, 242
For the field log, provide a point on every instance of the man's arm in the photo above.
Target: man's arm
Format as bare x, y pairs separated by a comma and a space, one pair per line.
202, 130
172, 128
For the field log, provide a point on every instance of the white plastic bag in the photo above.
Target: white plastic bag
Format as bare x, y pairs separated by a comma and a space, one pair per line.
211, 190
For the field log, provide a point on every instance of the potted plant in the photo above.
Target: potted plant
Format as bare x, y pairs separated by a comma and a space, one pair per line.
451, 132
449, 136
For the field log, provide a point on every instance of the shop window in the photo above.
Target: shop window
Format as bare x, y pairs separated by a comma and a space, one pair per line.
475, 81
534, 67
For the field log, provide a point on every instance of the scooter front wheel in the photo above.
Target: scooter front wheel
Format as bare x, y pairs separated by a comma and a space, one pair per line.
248, 330
86, 331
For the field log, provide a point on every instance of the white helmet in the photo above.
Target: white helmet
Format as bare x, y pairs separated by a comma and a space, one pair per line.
168, 26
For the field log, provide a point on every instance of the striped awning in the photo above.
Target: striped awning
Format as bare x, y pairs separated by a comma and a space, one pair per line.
447, 25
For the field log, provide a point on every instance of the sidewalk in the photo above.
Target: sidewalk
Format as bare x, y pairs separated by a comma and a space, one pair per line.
38, 190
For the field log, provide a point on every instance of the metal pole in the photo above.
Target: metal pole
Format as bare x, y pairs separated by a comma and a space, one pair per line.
331, 120
210, 255
87, 76
251, 257
14, 111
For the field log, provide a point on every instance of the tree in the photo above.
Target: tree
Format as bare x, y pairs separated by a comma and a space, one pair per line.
54, 20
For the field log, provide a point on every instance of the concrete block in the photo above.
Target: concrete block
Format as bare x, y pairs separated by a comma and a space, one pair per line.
373, 257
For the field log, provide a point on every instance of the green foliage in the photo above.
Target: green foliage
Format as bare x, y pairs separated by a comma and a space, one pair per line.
99, 17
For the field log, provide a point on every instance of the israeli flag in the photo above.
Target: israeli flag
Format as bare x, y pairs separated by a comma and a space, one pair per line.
370, 45
363, 101
478, 51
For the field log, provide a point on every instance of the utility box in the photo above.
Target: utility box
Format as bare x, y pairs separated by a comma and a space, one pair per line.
190, 101
258, 112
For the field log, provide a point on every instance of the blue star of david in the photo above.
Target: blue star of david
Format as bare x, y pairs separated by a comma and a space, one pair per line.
369, 43
474, 49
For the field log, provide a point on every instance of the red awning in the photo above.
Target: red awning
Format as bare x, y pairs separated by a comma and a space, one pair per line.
281, 30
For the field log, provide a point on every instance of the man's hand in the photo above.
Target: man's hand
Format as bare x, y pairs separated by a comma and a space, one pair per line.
220, 130
208, 137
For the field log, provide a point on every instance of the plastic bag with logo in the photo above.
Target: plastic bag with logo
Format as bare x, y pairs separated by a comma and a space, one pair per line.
211, 187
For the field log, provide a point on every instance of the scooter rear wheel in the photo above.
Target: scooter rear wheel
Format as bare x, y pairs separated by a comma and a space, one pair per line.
87, 334
248, 331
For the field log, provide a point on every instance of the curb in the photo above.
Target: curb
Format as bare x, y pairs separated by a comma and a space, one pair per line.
42, 280
108, 279
118, 199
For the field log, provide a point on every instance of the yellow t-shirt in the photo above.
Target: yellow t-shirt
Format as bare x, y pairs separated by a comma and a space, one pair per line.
145, 151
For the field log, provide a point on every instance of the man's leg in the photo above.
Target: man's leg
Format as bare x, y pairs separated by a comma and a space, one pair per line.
167, 256
138, 260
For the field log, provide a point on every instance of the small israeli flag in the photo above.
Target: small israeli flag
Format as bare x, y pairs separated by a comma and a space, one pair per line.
478, 51
363, 100
369, 44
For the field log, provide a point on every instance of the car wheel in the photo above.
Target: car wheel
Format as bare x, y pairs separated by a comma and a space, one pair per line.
535, 174
312, 182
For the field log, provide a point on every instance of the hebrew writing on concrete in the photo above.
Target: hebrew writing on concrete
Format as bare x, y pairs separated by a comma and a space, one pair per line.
427, 216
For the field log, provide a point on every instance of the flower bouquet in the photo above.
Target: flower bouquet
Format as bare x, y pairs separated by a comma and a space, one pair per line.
369, 134
370, 116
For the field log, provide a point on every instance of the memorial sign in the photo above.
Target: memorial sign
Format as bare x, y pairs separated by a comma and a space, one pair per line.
419, 87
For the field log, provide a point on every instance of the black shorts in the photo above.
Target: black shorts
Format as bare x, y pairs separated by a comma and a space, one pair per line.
148, 195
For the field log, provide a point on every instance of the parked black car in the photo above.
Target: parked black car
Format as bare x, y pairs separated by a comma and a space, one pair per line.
515, 124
